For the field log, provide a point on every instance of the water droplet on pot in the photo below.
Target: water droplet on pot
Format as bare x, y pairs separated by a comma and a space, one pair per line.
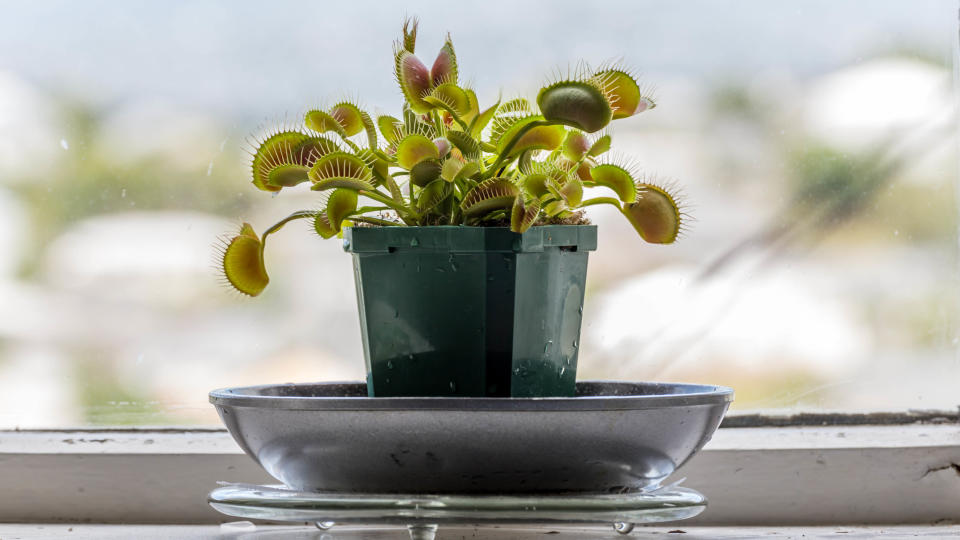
440, 269
623, 528
453, 386
576, 344
414, 242
346, 243
580, 310
389, 364
324, 525
546, 347
561, 372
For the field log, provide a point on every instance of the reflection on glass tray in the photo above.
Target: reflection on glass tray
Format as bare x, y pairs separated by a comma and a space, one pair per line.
422, 513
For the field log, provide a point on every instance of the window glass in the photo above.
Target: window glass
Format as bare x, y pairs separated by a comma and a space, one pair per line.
815, 142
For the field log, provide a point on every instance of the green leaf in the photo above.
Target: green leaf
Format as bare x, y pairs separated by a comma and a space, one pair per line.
575, 145
492, 194
313, 148
414, 80
583, 170
654, 215
373, 142
425, 172
451, 168
378, 166
578, 104
414, 123
242, 262
395, 192
536, 184
340, 205
321, 224
444, 68
465, 143
571, 191
469, 170
600, 146
616, 178
537, 138
390, 128
340, 170
556, 208
273, 152
349, 116
433, 194
415, 148
526, 159
322, 122
450, 97
625, 96
288, 175
524, 214
410, 26
508, 115
474, 106
482, 119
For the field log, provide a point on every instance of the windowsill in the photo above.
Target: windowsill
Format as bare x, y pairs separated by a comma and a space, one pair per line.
753, 476
208, 532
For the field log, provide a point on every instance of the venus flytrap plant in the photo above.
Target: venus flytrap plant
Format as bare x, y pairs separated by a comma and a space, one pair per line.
446, 161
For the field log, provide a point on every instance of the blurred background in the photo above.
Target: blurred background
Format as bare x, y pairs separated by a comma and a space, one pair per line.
815, 140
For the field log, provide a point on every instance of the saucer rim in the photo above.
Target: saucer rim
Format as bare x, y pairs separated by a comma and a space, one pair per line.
677, 395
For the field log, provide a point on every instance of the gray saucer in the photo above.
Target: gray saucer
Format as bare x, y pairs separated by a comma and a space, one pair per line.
612, 437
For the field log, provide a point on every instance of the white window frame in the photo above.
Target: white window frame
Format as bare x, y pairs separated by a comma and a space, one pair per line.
898, 469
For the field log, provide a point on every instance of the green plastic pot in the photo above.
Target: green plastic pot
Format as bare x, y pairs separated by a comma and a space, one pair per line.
470, 311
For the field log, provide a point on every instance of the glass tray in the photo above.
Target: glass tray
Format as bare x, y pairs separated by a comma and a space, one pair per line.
423, 513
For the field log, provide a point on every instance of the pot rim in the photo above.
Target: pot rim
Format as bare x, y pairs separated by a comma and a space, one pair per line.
623, 395
468, 239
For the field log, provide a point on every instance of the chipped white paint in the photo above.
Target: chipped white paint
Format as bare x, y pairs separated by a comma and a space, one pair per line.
308, 532
753, 476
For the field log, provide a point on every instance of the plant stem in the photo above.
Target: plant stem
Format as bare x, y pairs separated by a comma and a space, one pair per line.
601, 200
456, 118
502, 158
375, 221
350, 144
365, 209
437, 123
381, 198
301, 214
